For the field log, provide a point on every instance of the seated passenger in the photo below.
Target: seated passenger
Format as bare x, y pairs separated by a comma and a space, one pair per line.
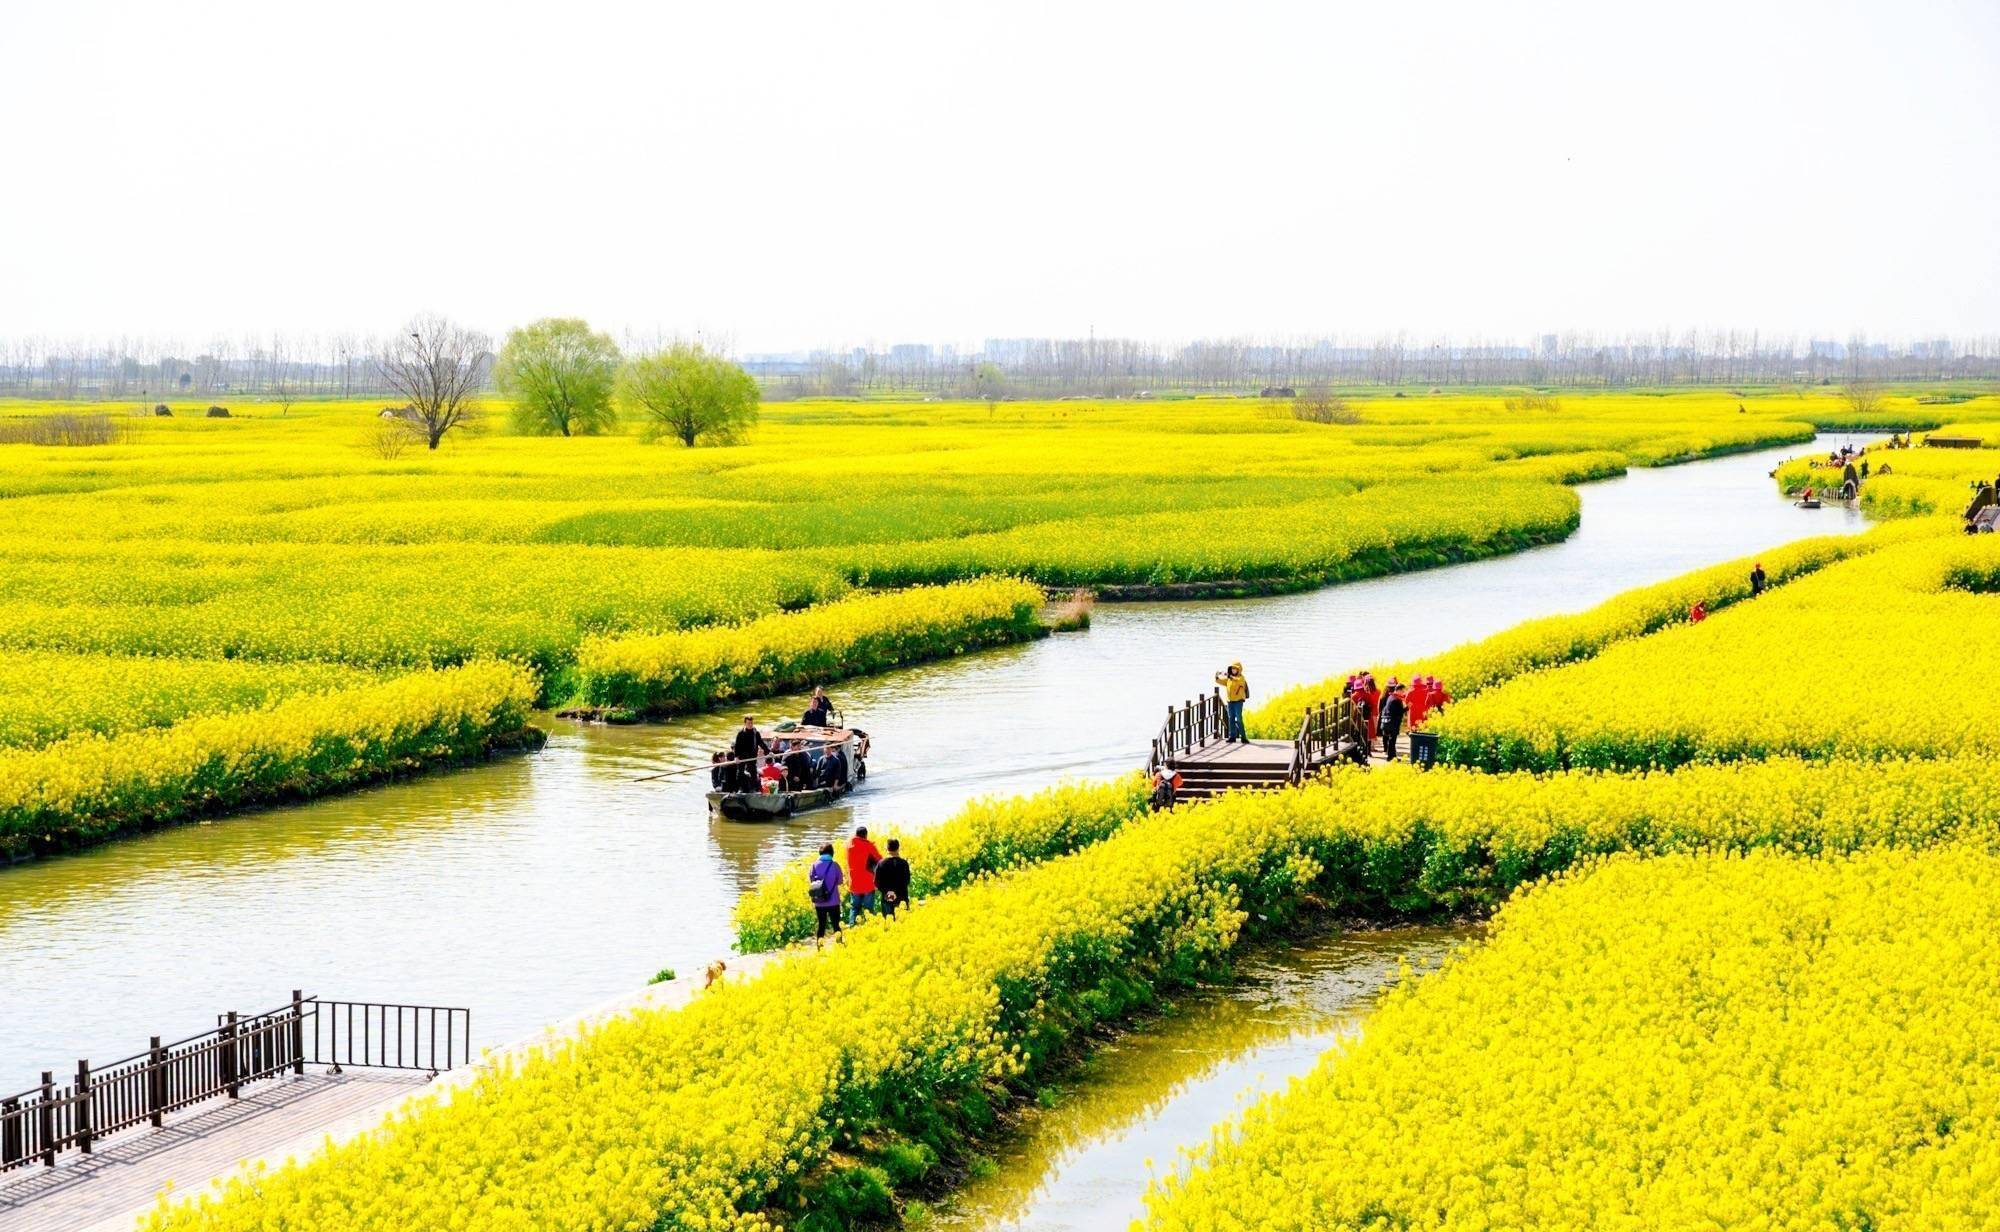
798, 770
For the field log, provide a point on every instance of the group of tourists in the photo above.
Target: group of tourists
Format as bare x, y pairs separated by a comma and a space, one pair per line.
876, 883
1382, 712
754, 762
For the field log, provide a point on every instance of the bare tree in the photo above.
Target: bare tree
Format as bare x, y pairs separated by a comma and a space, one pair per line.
1862, 397
1319, 404
438, 366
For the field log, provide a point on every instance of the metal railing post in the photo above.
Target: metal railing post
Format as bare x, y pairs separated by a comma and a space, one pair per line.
298, 1032
48, 1118
11, 1147
228, 1057
156, 1083
83, 1109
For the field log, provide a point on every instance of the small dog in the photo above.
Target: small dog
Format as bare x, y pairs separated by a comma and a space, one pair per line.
714, 972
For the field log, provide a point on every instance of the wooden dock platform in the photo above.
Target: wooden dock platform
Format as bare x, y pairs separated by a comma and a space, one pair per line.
110, 1187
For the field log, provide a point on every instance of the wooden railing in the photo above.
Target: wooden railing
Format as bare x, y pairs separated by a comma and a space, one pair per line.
1322, 730
1189, 726
37, 1124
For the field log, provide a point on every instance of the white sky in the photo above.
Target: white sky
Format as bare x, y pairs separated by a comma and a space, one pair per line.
794, 175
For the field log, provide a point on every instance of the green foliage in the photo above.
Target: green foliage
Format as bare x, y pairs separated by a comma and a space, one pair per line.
689, 395
559, 376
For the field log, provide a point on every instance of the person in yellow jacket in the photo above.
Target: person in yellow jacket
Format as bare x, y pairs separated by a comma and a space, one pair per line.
1235, 691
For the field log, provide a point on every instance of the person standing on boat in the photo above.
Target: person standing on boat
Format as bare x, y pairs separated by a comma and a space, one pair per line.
748, 746
862, 858
1393, 710
819, 711
823, 886
1757, 580
1235, 691
892, 878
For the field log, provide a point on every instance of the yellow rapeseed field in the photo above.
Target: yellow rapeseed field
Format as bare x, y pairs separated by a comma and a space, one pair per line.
1887, 655
287, 536
731, 1111
1686, 1042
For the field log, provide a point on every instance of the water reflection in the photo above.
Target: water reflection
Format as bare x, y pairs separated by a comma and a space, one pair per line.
1083, 1164
530, 887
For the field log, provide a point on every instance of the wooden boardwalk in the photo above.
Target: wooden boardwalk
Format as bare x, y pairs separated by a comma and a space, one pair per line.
111, 1188
124, 1175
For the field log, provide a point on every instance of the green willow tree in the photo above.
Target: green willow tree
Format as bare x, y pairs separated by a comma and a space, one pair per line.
690, 395
559, 376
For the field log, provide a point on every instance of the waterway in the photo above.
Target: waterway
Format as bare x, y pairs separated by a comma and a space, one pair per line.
529, 887
1083, 1163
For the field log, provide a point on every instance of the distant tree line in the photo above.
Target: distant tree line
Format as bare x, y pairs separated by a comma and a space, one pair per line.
353, 365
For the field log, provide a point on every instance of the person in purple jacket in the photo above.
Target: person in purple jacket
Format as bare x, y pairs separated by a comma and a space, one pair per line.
824, 882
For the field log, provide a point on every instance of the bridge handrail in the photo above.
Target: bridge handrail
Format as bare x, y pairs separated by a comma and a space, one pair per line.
1321, 730
38, 1123
1193, 724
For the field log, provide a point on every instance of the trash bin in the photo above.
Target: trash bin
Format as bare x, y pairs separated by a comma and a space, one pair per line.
1423, 748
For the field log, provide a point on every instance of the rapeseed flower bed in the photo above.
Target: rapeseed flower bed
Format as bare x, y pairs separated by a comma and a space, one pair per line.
88, 787
1686, 1042
696, 668
47, 695
730, 1112
1887, 655
1555, 640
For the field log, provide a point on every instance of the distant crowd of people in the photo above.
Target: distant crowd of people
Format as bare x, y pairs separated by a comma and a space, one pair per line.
876, 883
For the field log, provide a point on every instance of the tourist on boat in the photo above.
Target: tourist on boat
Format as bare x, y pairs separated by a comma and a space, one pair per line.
771, 779
748, 746
892, 878
720, 772
1394, 709
862, 857
823, 883
1235, 691
798, 769
819, 711
1697, 613
833, 769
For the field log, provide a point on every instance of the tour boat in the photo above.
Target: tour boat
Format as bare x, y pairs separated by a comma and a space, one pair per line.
780, 804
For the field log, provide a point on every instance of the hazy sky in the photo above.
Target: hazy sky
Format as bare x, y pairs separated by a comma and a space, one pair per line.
789, 175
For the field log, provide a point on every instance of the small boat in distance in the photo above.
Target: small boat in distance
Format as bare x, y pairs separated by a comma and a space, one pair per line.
783, 798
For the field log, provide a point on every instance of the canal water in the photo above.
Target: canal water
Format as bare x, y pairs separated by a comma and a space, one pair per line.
1082, 1164
530, 887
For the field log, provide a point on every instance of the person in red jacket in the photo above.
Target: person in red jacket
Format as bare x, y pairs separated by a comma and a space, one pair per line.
1419, 700
862, 857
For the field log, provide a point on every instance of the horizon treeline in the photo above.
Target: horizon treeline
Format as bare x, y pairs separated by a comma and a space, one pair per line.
349, 365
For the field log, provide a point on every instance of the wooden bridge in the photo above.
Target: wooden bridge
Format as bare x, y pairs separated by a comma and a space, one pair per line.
1195, 741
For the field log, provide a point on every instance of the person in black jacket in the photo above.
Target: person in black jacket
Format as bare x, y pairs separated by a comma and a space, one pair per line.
819, 711
798, 769
1393, 709
892, 878
1757, 580
747, 747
